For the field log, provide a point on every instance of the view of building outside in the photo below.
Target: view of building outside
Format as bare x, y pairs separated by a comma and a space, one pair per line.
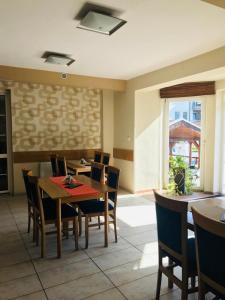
185, 134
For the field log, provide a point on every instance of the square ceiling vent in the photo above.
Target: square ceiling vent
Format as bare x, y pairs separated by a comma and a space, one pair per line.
57, 58
99, 19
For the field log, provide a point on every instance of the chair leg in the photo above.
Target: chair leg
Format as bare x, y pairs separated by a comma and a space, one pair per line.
75, 232
99, 223
201, 290
193, 282
34, 227
80, 222
159, 280
86, 231
36, 231
170, 282
115, 229
42, 243
184, 292
29, 218
66, 229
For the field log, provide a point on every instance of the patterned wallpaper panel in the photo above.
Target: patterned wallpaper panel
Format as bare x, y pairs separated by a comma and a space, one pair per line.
54, 117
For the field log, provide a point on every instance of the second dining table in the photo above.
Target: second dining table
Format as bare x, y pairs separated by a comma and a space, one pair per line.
212, 208
61, 195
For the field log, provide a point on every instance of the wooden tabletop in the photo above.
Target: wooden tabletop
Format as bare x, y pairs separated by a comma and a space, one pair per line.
77, 166
55, 192
211, 208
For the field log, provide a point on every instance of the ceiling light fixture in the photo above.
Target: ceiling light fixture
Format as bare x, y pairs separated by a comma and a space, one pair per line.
57, 58
99, 19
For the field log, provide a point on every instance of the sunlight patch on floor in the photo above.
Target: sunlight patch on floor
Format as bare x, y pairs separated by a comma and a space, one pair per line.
136, 215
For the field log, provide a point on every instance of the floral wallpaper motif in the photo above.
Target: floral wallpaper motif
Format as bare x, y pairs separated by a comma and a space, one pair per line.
46, 117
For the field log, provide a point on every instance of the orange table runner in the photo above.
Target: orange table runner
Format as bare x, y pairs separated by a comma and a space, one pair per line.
77, 191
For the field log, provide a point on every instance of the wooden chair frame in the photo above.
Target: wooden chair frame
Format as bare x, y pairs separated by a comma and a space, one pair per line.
111, 213
214, 227
62, 159
101, 168
98, 153
40, 221
54, 159
30, 206
180, 207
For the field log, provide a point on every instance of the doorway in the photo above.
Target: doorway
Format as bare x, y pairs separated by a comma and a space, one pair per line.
184, 127
5, 145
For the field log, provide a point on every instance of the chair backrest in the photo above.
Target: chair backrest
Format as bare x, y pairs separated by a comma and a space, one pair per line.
113, 181
54, 164
36, 196
105, 158
62, 169
210, 247
172, 225
25, 174
97, 171
98, 156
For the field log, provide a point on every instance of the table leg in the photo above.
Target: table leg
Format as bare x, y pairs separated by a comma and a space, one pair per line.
106, 215
59, 229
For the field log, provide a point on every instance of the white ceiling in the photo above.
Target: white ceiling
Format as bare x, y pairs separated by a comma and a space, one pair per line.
158, 33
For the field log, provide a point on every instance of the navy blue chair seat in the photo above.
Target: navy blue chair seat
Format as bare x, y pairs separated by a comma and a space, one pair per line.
93, 206
50, 213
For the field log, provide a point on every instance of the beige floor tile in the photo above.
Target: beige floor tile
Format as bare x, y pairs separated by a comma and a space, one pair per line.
97, 250
148, 264
148, 248
80, 288
19, 287
141, 238
11, 246
33, 296
43, 264
9, 259
16, 271
112, 294
144, 288
111, 260
66, 273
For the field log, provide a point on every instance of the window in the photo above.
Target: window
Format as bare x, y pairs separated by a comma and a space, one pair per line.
177, 115
185, 115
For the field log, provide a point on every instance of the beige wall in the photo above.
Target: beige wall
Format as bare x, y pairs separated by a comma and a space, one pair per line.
124, 135
148, 151
108, 122
125, 103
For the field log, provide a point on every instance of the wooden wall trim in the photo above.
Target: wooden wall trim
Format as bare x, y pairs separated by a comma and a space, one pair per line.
220, 3
54, 78
189, 89
125, 154
40, 156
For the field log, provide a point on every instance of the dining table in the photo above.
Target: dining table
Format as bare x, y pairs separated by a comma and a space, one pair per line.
212, 208
78, 167
89, 189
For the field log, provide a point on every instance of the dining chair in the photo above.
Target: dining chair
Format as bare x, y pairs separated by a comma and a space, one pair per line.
96, 208
173, 243
26, 173
62, 169
45, 213
54, 164
97, 174
210, 248
98, 156
105, 160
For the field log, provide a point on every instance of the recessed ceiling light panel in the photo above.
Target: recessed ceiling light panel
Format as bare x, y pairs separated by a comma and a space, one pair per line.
101, 23
57, 58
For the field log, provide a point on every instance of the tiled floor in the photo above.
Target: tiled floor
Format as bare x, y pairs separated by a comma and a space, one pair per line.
124, 270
